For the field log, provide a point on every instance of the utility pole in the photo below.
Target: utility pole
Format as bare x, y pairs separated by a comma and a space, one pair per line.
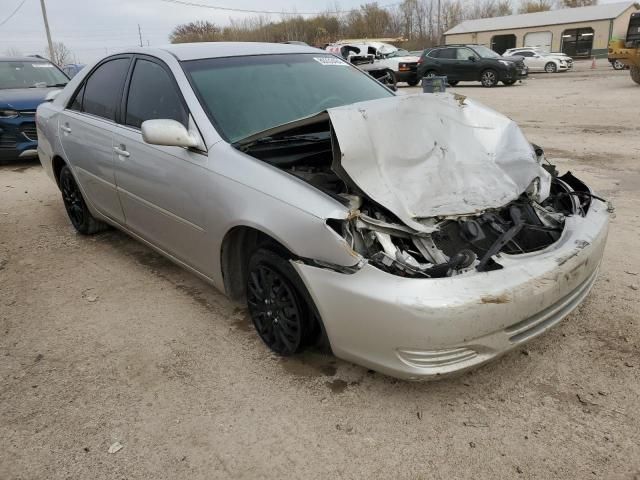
46, 27
439, 28
140, 35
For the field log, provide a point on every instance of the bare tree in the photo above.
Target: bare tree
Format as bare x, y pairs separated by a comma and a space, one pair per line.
420, 22
61, 55
503, 8
577, 3
198, 31
13, 52
532, 6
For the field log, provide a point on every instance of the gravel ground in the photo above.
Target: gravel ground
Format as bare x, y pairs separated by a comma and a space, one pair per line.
103, 341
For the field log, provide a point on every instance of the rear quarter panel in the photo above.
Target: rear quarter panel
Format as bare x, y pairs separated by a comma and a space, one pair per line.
48, 140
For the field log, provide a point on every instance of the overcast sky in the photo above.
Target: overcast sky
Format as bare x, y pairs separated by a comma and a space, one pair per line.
93, 28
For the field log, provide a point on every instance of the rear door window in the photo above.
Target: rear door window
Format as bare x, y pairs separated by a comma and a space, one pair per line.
153, 95
448, 53
103, 89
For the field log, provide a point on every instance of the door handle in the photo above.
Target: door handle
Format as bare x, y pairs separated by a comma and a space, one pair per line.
65, 129
121, 151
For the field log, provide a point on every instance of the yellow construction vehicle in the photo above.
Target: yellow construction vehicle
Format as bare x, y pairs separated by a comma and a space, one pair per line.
627, 51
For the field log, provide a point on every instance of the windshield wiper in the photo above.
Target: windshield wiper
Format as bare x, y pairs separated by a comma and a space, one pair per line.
292, 138
286, 140
57, 85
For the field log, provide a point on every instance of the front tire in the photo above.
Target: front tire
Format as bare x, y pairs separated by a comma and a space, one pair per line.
413, 83
391, 80
551, 67
277, 305
635, 73
617, 65
74, 203
453, 83
489, 78
509, 82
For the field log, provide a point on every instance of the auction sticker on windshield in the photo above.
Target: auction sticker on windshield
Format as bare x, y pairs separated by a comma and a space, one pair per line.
329, 61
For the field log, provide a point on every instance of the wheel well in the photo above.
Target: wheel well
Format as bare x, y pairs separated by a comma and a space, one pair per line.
57, 163
237, 246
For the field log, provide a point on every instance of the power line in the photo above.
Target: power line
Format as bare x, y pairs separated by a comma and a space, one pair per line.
12, 13
267, 12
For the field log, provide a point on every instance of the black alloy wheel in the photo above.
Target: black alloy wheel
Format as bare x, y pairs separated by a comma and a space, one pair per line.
277, 309
77, 210
72, 198
489, 78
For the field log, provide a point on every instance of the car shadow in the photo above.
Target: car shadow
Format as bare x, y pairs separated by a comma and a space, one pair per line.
20, 165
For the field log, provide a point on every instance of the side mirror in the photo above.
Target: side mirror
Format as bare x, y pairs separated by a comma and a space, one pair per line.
51, 96
472, 58
169, 133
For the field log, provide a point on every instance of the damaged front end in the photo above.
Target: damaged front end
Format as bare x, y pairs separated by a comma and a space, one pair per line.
460, 244
435, 186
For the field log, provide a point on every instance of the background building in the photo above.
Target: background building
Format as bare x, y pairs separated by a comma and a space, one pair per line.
579, 32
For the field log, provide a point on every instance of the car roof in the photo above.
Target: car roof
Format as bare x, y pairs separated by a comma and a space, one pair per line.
196, 51
24, 59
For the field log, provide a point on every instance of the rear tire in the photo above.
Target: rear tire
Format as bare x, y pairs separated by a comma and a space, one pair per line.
74, 203
551, 67
635, 73
489, 78
279, 304
413, 83
453, 83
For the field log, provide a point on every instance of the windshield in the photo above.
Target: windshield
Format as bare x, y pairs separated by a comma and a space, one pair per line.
399, 53
247, 95
30, 75
485, 52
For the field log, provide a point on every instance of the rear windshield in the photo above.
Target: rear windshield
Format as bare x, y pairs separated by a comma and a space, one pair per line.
30, 75
250, 94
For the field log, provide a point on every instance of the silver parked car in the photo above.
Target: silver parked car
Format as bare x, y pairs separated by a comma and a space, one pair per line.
417, 235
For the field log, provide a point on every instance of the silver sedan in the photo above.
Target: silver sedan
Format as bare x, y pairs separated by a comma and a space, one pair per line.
417, 235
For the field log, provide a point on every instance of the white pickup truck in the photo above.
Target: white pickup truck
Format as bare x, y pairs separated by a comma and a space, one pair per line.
400, 62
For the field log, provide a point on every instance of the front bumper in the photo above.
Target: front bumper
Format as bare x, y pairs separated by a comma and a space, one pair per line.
18, 138
407, 75
425, 328
518, 73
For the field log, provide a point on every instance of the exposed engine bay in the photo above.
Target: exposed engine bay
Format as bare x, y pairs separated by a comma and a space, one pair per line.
445, 245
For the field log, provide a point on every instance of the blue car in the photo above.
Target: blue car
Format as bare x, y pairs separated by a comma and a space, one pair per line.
24, 84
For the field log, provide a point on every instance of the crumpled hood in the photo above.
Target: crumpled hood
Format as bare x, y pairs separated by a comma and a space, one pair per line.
429, 155
23, 98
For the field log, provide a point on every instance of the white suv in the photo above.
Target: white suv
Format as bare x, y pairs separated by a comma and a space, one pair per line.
539, 61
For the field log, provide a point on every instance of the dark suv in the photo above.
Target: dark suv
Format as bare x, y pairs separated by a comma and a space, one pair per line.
473, 63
